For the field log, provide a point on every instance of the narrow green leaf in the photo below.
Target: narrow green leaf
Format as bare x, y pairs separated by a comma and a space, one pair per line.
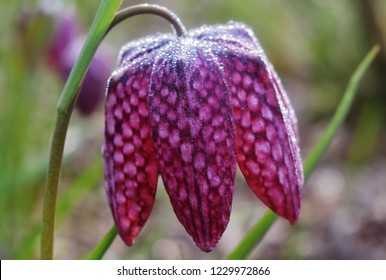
102, 20
105, 243
254, 236
340, 114
258, 231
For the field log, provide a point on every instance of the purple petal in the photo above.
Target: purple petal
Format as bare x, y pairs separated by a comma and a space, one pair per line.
246, 64
130, 164
193, 132
267, 139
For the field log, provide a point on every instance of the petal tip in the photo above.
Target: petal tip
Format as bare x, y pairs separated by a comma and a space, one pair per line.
294, 219
128, 240
206, 247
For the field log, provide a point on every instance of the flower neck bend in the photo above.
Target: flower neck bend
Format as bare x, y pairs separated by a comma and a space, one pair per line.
163, 12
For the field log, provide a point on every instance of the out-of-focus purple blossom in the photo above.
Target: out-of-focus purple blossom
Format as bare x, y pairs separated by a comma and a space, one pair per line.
94, 84
56, 37
65, 48
66, 31
190, 108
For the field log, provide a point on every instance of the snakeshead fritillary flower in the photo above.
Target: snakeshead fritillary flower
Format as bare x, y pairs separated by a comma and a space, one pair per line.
188, 108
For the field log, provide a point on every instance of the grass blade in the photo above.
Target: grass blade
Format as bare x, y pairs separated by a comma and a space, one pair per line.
105, 243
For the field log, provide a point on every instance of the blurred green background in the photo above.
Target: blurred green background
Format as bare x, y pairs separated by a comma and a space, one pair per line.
314, 46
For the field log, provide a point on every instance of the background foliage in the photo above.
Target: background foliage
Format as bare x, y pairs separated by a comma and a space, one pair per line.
314, 45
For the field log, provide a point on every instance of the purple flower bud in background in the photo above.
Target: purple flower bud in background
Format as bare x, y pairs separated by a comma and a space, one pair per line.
94, 83
64, 49
190, 108
57, 37
66, 31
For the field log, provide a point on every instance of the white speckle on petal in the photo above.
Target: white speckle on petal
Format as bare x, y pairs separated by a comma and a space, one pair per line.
186, 152
262, 147
130, 169
253, 102
266, 113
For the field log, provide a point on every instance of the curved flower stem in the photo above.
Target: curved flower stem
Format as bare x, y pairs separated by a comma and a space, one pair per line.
149, 9
103, 18
256, 234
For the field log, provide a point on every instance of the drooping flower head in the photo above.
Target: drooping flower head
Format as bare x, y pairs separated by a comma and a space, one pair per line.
189, 108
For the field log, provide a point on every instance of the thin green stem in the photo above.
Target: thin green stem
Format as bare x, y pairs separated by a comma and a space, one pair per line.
104, 245
50, 195
87, 181
258, 231
103, 18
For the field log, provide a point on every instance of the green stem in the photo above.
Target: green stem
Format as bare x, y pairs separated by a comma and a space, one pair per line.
258, 231
50, 195
88, 180
102, 21
105, 244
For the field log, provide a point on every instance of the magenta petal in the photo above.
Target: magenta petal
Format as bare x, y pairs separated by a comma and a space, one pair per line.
193, 133
267, 150
267, 140
130, 164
